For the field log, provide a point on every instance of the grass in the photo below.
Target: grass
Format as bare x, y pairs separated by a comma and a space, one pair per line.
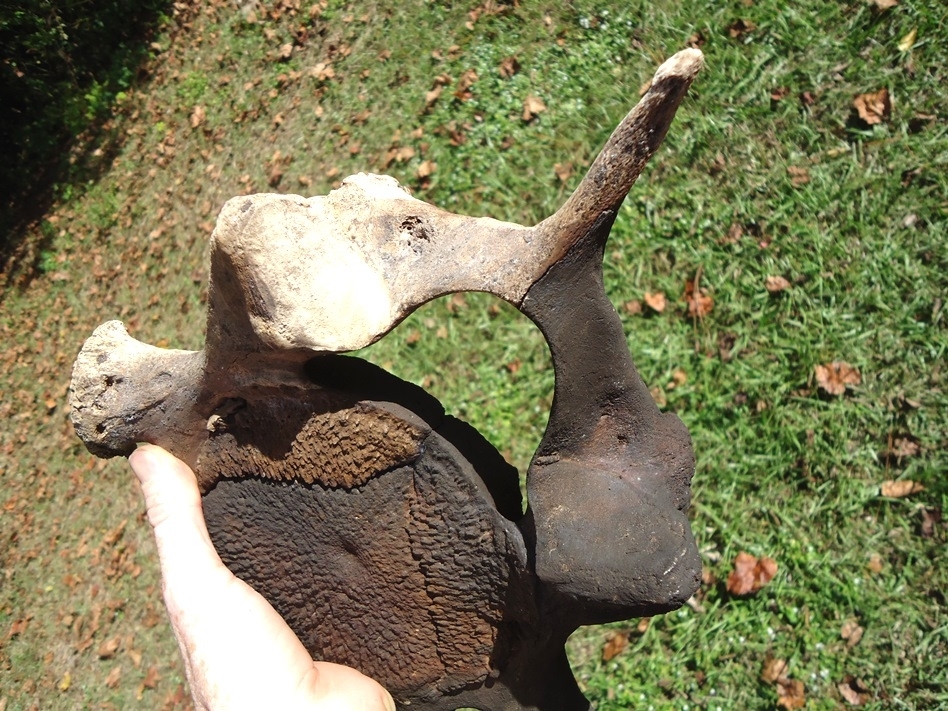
784, 469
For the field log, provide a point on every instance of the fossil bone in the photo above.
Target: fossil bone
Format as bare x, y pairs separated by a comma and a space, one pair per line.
389, 535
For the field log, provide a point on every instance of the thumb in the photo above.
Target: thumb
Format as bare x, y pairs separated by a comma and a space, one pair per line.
173, 504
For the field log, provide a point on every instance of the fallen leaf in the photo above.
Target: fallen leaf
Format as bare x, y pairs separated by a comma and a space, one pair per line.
151, 678
739, 28
65, 682
658, 395
509, 66
197, 116
790, 694
432, 96
633, 307
930, 518
532, 107
404, 153
874, 107
322, 71
834, 377
885, 4
679, 377
655, 301
900, 489
699, 303
286, 51
901, 447
798, 176
875, 563
615, 643
852, 632
734, 234
776, 284
780, 93
426, 169
906, 43
108, 648
750, 574
563, 171
773, 670
854, 691
112, 680
642, 626
463, 92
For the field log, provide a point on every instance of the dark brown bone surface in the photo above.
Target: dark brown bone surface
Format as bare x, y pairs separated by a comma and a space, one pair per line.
391, 536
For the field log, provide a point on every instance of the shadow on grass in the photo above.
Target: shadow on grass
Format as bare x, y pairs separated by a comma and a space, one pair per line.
62, 69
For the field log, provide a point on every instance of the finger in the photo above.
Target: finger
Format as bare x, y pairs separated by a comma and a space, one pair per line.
173, 504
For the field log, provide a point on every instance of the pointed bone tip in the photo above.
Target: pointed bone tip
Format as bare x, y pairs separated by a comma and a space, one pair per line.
684, 65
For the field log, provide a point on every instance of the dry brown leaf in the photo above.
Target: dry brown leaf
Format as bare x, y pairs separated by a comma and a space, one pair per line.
463, 92
901, 488
874, 107
426, 169
563, 171
633, 307
679, 377
790, 694
739, 28
642, 626
322, 71
286, 51
112, 680
885, 4
655, 301
65, 682
875, 563
930, 519
615, 643
432, 96
658, 395
404, 153
773, 670
136, 656
198, 115
509, 67
852, 632
108, 648
905, 446
699, 303
532, 107
833, 378
854, 691
776, 284
750, 574
798, 176
734, 234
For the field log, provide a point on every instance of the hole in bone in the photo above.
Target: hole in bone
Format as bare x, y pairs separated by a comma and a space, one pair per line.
111, 380
413, 229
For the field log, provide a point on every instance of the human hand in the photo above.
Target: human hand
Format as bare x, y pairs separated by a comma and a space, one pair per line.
238, 652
